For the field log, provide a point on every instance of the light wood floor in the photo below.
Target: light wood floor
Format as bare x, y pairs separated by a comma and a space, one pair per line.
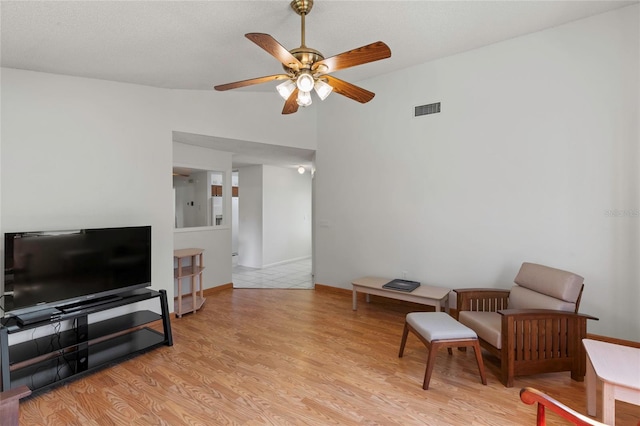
297, 357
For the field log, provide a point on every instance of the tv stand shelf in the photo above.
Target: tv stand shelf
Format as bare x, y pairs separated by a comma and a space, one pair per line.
46, 361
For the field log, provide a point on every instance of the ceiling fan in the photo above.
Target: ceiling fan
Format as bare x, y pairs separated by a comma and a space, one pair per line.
307, 68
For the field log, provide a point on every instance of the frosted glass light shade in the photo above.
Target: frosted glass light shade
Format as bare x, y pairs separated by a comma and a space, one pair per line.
305, 81
304, 98
286, 89
322, 89
301, 170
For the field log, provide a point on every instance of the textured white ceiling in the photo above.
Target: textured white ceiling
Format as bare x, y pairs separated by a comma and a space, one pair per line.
198, 44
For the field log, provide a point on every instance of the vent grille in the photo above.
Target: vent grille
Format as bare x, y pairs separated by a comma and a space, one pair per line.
426, 109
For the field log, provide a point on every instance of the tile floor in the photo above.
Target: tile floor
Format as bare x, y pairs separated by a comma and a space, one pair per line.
288, 275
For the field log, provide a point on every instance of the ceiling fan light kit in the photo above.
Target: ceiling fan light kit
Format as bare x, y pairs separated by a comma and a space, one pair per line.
286, 89
322, 89
307, 68
305, 81
304, 99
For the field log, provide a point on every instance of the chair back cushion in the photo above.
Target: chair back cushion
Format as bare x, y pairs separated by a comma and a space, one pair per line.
548, 288
523, 298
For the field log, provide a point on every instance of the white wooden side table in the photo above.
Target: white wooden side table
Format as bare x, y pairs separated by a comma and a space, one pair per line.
618, 367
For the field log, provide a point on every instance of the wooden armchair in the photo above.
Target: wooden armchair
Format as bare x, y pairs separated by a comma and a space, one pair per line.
531, 396
532, 328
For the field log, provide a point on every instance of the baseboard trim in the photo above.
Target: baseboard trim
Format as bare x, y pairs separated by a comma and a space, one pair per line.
332, 289
217, 289
284, 262
614, 340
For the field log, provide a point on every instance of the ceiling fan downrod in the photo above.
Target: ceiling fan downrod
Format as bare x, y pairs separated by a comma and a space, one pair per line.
306, 55
302, 8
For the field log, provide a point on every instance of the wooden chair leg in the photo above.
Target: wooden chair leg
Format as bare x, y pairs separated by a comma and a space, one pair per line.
431, 360
404, 340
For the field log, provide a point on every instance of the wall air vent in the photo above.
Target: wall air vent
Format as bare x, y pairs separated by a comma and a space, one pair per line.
426, 109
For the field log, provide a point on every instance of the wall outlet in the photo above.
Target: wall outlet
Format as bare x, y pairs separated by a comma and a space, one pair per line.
404, 274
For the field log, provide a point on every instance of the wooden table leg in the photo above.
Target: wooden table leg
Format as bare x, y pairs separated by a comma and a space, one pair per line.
590, 382
179, 310
193, 285
608, 404
355, 300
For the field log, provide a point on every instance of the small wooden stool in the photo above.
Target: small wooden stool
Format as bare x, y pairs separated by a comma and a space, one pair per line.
439, 330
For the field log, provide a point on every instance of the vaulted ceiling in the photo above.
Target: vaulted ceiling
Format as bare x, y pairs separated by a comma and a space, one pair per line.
198, 44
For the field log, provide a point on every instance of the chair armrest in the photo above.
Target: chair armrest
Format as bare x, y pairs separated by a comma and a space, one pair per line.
481, 299
542, 313
531, 396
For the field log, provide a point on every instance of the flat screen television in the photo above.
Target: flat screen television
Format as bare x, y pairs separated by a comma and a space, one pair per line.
47, 269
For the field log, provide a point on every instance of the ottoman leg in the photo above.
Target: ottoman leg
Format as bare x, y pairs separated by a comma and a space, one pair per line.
404, 340
431, 360
476, 349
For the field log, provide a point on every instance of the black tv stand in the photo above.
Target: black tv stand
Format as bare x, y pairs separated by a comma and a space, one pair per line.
84, 345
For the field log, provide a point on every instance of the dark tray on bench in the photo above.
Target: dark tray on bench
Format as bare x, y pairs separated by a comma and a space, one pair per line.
402, 285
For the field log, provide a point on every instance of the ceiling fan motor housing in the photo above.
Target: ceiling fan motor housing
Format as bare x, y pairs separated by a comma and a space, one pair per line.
307, 56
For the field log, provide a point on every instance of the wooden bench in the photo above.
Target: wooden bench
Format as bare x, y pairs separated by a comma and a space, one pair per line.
438, 330
438, 297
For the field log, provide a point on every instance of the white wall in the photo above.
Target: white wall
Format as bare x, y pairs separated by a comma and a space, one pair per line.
185, 194
250, 235
87, 153
96, 153
536, 142
216, 241
254, 117
202, 189
286, 215
274, 211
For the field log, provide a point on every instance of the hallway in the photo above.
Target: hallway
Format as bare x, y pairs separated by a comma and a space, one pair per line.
294, 275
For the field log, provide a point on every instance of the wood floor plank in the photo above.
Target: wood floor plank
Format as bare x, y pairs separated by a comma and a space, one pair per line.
297, 357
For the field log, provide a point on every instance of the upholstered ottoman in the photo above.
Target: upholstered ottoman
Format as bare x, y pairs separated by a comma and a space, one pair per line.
438, 330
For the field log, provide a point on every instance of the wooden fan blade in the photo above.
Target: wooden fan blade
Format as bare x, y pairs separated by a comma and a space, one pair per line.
349, 90
275, 49
291, 104
251, 82
362, 55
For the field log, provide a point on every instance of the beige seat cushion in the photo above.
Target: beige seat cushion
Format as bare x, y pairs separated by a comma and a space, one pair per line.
438, 326
486, 324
